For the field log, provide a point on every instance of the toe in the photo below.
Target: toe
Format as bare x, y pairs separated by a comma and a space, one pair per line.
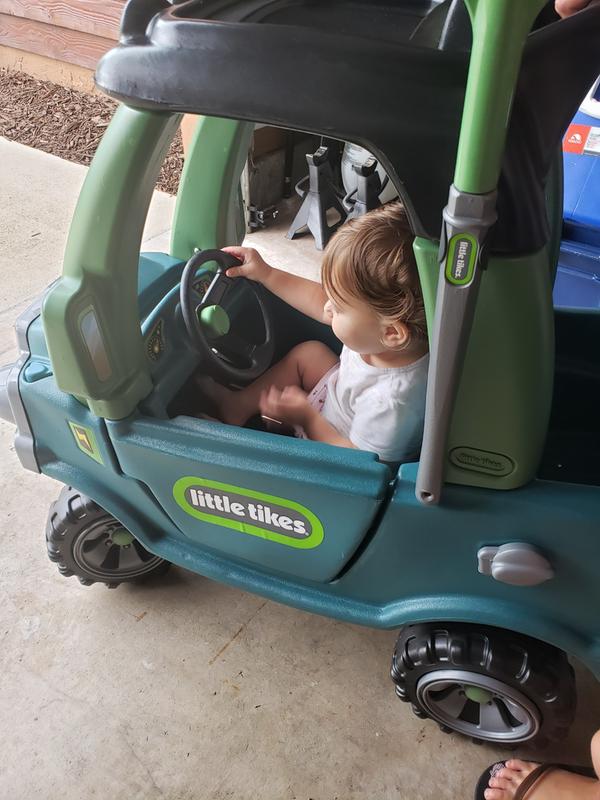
508, 774
495, 794
518, 765
500, 783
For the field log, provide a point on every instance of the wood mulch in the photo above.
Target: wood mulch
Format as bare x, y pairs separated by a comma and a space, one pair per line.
66, 122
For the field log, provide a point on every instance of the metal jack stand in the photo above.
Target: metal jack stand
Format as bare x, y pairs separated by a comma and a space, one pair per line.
260, 217
320, 197
367, 191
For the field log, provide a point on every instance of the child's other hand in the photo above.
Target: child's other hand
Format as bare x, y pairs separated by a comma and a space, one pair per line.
253, 266
564, 8
290, 405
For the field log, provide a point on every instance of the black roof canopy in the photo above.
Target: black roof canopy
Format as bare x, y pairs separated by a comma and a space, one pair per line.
387, 75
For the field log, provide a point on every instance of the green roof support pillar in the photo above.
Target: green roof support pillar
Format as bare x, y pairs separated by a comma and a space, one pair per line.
209, 212
90, 315
500, 28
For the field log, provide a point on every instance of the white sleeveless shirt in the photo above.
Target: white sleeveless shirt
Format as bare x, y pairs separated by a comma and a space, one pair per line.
379, 409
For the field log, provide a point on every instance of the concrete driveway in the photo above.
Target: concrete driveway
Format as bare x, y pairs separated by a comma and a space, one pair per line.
185, 689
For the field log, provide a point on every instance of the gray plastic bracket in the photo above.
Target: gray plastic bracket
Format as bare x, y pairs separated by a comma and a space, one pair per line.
467, 220
467, 213
515, 563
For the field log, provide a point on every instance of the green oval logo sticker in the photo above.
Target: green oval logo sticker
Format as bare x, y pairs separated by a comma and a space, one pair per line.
247, 511
462, 254
482, 461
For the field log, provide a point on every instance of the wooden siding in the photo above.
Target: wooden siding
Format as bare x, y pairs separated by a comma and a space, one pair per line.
74, 31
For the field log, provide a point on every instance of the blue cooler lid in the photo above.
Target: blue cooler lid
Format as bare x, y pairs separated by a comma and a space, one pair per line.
581, 158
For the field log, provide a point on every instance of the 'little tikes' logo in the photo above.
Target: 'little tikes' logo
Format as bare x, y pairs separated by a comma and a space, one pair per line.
248, 511
460, 264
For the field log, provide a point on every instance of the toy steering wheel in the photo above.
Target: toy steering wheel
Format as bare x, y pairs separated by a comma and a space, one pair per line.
230, 356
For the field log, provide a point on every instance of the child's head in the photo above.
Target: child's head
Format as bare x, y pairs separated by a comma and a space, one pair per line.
370, 276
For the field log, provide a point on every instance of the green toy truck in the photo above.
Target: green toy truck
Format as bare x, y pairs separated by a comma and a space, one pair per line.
484, 555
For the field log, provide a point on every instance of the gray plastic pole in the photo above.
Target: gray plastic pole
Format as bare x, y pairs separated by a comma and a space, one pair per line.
467, 220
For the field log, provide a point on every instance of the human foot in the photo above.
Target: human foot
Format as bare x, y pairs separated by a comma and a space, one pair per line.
508, 782
224, 403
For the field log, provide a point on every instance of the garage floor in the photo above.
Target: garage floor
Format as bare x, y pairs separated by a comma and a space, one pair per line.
186, 688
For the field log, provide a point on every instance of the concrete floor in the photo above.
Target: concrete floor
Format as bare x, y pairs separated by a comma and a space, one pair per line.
186, 689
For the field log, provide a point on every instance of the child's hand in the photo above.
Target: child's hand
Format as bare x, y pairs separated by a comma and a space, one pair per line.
253, 266
564, 8
290, 405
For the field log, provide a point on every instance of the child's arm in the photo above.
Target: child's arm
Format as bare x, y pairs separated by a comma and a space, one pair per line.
291, 406
305, 295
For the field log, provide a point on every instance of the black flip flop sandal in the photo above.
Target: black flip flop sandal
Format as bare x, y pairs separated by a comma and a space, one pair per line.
530, 780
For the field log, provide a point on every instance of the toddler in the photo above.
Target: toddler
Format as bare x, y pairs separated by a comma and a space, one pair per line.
371, 397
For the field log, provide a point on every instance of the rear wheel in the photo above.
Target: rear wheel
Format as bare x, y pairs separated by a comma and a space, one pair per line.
85, 540
487, 683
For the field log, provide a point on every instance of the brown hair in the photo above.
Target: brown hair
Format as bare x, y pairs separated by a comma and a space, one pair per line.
371, 259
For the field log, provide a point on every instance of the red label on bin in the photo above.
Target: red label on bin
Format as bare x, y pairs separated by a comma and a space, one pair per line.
575, 138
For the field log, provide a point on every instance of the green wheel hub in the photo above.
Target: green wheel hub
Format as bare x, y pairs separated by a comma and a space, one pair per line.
477, 695
122, 537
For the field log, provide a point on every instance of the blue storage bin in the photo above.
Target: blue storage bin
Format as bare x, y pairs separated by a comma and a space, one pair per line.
577, 283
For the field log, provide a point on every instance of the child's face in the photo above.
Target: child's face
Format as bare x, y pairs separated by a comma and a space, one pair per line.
356, 325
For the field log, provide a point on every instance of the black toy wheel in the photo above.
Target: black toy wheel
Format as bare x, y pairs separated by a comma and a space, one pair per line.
86, 541
487, 683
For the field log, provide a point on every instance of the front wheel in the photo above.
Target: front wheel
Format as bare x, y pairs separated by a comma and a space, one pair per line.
85, 540
487, 683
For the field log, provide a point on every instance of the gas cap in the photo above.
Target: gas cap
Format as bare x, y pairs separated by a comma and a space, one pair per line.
516, 563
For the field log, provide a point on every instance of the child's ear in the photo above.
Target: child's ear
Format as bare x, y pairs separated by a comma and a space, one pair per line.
395, 335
